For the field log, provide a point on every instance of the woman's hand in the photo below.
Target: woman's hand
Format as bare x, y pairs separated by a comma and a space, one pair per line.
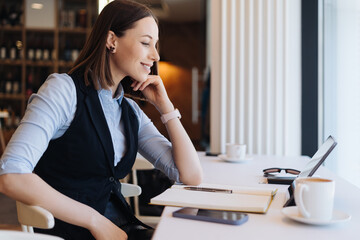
154, 91
185, 156
103, 229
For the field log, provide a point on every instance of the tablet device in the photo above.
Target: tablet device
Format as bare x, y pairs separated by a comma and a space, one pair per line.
319, 157
217, 216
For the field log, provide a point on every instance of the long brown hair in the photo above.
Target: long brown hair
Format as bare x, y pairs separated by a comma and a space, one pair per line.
117, 16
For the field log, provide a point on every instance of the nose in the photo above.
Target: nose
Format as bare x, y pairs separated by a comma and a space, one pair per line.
155, 55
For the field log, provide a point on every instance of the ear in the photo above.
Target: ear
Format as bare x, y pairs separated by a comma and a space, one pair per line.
111, 41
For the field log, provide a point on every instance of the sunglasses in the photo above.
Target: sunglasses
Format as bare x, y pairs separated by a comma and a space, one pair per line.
270, 171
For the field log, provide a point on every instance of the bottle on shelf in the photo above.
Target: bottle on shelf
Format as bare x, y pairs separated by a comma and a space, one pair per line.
14, 15
54, 54
38, 49
13, 50
16, 85
13, 119
75, 50
3, 51
19, 49
19, 14
81, 17
63, 19
29, 83
71, 18
2, 120
3, 15
67, 51
8, 121
16, 121
9, 82
2, 82
30, 48
46, 54
47, 51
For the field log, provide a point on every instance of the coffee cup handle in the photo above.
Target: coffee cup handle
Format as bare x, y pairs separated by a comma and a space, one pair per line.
299, 200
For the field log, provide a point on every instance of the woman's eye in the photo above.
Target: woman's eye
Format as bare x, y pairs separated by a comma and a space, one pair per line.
145, 44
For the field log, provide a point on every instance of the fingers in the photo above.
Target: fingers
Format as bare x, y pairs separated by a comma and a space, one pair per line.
135, 85
152, 79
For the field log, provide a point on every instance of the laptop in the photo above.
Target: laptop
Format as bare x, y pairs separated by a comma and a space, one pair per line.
319, 157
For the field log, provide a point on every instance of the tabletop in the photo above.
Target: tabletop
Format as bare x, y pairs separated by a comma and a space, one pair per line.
273, 224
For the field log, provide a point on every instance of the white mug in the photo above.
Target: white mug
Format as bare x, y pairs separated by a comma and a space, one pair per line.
314, 197
235, 151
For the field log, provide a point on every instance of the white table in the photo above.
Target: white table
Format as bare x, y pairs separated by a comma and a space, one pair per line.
273, 225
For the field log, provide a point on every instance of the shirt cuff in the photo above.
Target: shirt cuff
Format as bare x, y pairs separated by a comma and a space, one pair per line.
9, 166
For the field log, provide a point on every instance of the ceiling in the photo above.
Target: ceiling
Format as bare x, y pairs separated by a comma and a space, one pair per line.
177, 10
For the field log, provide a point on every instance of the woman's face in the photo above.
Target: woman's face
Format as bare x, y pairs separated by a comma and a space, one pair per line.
135, 51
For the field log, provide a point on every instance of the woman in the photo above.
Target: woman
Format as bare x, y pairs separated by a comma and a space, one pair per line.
70, 149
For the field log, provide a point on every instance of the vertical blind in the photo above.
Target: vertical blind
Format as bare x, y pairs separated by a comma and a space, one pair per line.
255, 75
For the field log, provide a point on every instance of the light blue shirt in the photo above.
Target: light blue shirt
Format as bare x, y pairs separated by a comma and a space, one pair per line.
50, 113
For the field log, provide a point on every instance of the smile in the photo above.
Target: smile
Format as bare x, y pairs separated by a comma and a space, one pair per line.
147, 67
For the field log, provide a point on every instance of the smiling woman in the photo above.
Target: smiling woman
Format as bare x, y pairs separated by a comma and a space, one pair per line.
134, 53
80, 134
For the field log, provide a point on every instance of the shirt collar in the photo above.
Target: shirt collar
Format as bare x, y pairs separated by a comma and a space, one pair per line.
107, 92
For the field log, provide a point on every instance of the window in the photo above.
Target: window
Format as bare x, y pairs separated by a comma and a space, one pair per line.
341, 85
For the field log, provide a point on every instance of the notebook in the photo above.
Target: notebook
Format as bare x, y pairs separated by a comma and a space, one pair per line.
319, 157
231, 198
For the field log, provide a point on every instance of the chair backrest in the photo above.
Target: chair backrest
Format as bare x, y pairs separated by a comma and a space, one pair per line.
33, 216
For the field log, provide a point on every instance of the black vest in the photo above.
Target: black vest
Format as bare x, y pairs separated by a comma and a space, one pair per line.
80, 164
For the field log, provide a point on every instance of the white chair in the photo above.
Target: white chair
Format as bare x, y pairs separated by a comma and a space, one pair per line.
33, 216
38, 217
142, 164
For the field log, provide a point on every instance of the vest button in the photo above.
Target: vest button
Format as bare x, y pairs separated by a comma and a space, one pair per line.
111, 179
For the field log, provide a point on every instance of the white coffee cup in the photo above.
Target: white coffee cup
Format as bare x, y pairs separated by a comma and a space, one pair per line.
314, 197
235, 151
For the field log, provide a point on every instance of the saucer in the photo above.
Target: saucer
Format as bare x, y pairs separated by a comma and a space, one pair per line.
293, 213
234, 160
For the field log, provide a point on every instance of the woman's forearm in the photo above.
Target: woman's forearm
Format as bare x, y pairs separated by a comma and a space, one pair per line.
184, 153
32, 190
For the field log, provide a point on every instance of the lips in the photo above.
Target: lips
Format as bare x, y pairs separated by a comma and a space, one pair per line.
147, 66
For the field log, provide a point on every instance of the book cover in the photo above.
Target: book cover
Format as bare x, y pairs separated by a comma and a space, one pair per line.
245, 199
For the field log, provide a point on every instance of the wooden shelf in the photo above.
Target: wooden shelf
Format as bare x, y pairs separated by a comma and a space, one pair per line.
11, 62
34, 63
77, 30
44, 30
10, 96
11, 28
65, 64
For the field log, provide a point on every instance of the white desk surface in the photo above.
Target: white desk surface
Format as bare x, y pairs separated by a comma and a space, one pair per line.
273, 224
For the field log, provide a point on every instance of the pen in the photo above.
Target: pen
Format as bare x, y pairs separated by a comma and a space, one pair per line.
208, 189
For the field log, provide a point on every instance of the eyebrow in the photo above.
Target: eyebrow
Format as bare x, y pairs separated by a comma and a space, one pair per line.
147, 35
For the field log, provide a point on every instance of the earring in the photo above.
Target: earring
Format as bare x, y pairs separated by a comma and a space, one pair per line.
112, 49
